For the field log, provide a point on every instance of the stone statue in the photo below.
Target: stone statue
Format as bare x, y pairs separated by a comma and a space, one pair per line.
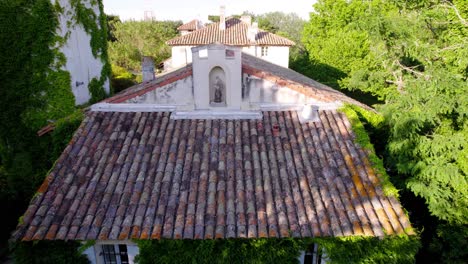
218, 92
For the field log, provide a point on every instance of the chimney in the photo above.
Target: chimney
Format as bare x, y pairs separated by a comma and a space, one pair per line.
309, 113
222, 18
147, 67
252, 33
246, 19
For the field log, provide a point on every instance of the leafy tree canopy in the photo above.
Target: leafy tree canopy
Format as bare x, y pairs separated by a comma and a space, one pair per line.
135, 39
413, 55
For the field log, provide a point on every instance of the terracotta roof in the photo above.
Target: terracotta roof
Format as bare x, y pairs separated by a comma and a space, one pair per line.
236, 33
145, 87
294, 80
192, 25
146, 176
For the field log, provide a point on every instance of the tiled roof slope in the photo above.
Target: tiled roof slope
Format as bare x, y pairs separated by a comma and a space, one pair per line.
294, 80
145, 87
146, 176
236, 33
192, 25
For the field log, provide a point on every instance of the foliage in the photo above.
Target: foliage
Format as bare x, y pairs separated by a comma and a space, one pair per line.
406, 55
111, 21
357, 116
63, 132
46, 252
122, 79
289, 25
213, 18
413, 55
141, 38
219, 251
35, 91
451, 243
394, 249
96, 26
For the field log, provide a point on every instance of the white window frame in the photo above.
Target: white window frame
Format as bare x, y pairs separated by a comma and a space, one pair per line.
264, 51
97, 251
117, 253
317, 254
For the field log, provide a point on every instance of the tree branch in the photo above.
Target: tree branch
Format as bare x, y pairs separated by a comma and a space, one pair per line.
457, 12
410, 69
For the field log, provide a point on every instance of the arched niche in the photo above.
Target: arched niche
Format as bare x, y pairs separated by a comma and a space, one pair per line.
217, 87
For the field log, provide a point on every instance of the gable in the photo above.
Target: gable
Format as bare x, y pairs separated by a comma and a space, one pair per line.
260, 85
235, 33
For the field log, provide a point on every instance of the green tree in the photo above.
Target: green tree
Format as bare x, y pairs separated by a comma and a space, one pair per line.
289, 25
414, 56
135, 39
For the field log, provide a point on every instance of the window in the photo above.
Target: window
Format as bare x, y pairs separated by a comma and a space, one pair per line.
264, 51
314, 255
115, 254
230, 54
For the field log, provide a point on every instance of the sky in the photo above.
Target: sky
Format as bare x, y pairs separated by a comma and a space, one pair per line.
187, 10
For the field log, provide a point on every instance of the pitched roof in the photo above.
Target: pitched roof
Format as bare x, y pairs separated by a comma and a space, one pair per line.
254, 66
146, 176
236, 33
192, 25
294, 80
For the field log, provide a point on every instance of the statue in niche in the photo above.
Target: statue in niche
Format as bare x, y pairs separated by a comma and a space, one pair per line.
218, 90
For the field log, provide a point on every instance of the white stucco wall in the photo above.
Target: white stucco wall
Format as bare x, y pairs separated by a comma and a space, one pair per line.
233, 74
276, 54
178, 93
91, 254
81, 64
181, 55
263, 92
252, 50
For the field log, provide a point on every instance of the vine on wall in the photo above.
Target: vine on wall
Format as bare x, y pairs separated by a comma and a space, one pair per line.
340, 250
96, 26
36, 90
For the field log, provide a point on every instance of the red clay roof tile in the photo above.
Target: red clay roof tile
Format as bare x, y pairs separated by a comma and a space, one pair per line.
204, 179
236, 34
189, 26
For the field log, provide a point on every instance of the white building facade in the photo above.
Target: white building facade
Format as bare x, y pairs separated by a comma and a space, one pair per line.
81, 63
240, 33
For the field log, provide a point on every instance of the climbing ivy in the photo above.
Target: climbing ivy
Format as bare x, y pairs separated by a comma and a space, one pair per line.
63, 132
96, 26
35, 91
390, 249
230, 251
356, 249
45, 252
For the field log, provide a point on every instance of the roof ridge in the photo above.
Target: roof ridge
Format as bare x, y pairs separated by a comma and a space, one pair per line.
289, 77
236, 33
